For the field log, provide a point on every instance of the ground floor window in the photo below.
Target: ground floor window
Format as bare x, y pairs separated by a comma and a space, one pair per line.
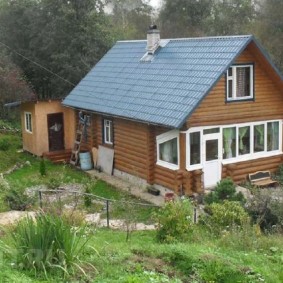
108, 131
168, 149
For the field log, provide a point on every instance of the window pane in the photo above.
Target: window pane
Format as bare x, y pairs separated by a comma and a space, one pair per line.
230, 88
230, 72
243, 81
211, 131
195, 148
108, 138
168, 151
272, 136
259, 138
244, 140
211, 150
229, 142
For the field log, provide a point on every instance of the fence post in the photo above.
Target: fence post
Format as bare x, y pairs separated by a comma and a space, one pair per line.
107, 212
195, 215
40, 198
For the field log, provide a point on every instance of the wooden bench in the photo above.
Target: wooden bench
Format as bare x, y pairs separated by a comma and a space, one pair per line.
262, 179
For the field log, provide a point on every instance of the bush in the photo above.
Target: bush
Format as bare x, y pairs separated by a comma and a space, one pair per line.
174, 221
4, 144
17, 200
48, 243
226, 215
224, 190
266, 208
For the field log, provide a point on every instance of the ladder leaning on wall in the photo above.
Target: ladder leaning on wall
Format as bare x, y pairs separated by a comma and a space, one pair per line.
77, 144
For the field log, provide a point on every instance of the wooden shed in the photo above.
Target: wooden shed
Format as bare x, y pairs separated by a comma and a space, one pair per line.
47, 127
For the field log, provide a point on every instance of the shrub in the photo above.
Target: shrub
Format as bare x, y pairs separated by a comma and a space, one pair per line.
48, 243
266, 208
17, 200
174, 221
224, 190
4, 144
225, 215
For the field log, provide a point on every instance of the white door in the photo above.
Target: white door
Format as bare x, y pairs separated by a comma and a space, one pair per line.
212, 160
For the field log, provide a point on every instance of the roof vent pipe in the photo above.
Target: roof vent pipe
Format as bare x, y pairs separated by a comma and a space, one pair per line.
153, 39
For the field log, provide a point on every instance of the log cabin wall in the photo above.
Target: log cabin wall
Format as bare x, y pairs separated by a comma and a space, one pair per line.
267, 105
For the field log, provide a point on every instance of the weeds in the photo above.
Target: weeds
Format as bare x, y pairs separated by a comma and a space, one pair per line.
48, 243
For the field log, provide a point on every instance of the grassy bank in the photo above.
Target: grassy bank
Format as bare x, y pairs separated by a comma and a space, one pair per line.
142, 259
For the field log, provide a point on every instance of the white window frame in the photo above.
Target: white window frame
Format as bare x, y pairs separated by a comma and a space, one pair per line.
199, 165
108, 127
233, 78
238, 158
164, 138
28, 122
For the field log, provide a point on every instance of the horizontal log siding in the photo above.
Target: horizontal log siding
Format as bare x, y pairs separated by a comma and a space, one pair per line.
239, 171
214, 110
130, 146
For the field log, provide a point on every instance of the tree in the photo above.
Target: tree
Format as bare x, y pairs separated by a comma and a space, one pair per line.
130, 18
65, 36
230, 17
13, 87
269, 28
183, 18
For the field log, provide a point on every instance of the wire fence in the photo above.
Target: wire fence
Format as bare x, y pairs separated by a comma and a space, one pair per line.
99, 208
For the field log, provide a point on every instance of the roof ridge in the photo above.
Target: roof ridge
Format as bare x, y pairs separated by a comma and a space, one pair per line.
192, 38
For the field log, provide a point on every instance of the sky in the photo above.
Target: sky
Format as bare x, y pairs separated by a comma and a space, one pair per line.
155, 3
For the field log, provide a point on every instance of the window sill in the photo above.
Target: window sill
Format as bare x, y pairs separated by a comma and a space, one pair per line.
167, 165
194, 167
249, 98
251, 157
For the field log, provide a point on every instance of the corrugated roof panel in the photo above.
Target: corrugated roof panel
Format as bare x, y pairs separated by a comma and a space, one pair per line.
163, 91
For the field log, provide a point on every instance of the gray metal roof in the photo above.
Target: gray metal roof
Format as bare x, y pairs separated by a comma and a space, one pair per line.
163, 91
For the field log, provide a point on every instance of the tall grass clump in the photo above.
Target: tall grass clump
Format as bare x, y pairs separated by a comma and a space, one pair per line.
48, 243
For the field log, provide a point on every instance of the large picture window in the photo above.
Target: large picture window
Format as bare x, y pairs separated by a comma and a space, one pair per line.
239, 82
28, 122
251, 141
239, 142
168, 150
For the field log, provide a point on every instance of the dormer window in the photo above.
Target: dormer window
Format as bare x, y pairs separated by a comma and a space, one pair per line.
240, 85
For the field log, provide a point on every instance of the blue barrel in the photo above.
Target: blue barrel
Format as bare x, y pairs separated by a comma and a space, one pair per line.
85, 160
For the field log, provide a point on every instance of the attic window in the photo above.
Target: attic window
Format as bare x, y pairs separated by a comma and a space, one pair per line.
240, 83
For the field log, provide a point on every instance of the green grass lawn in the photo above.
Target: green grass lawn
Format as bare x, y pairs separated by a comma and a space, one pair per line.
142, 259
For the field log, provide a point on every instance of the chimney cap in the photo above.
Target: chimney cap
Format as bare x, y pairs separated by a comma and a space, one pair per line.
151, 27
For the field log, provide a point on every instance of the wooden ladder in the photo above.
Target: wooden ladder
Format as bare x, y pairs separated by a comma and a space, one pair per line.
77, 144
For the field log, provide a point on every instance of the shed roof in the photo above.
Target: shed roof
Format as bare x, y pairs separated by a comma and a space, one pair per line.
162, 91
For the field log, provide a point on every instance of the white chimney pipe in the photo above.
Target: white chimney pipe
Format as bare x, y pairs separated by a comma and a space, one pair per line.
153, 39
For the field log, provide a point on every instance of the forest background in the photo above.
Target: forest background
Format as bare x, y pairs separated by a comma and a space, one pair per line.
47, 46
